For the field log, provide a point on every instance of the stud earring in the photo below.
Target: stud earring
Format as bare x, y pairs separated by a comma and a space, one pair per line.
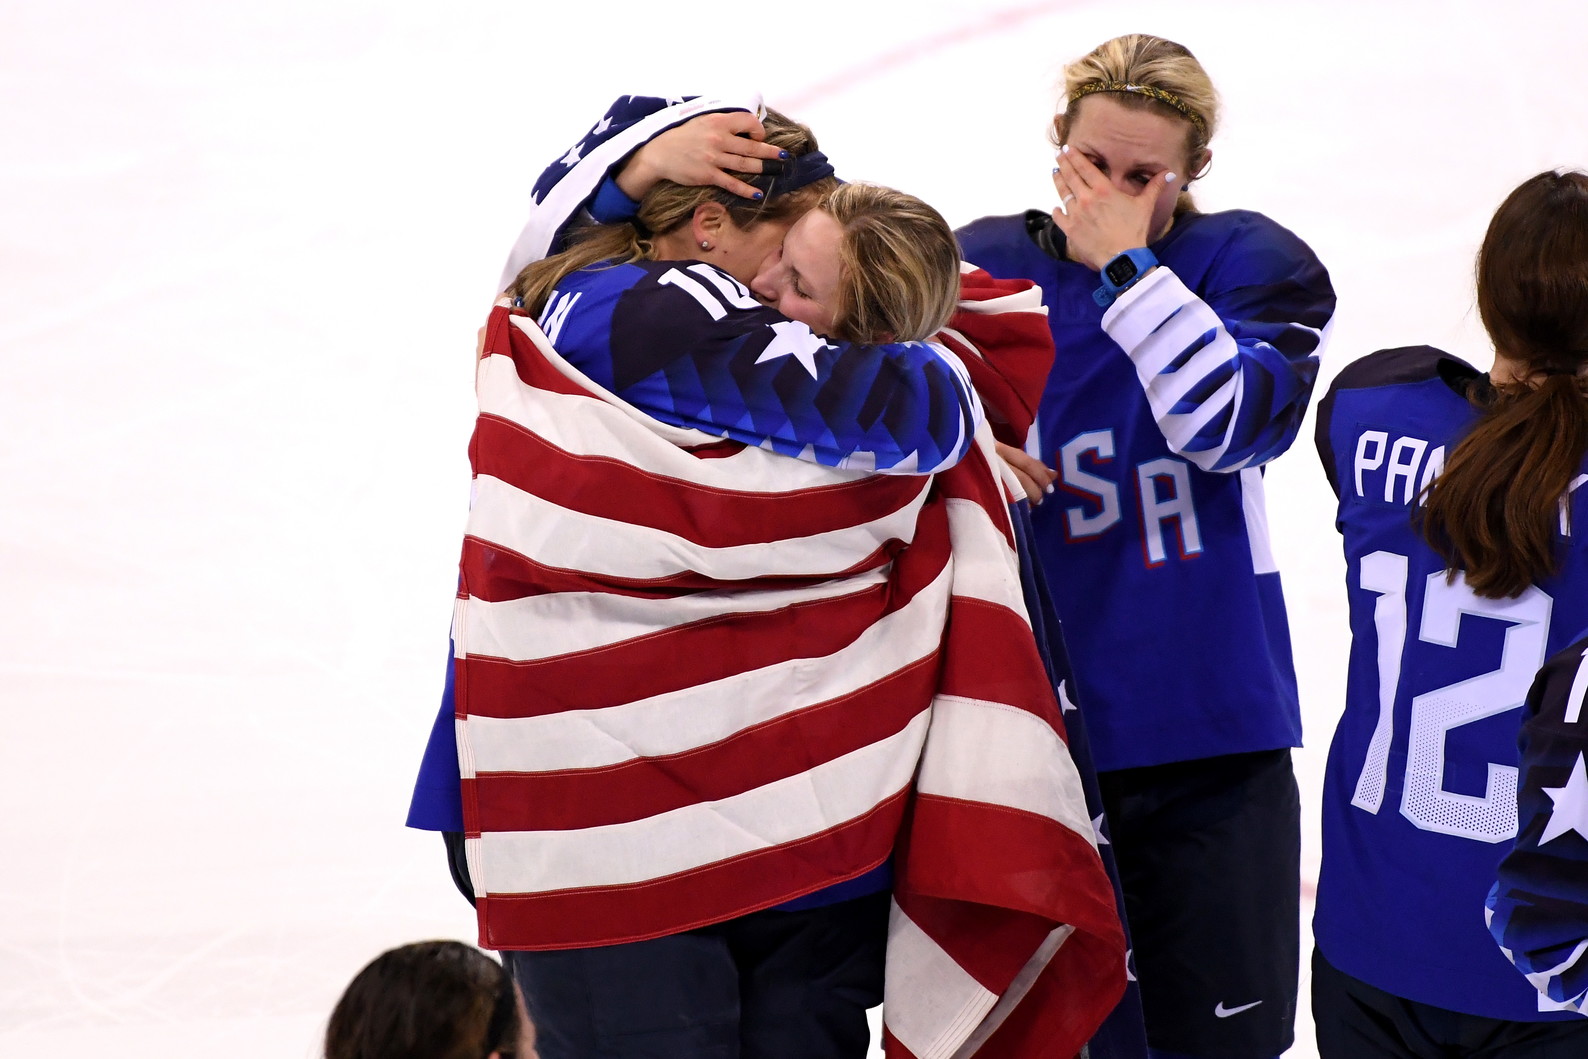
705, 245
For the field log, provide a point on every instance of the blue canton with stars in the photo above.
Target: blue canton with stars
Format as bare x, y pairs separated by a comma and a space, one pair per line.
620, 116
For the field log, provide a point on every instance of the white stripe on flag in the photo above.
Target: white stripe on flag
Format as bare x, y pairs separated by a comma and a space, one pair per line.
930, 1003
985, 567
786, 810
982, 751
565, 539
545, 626
708, 713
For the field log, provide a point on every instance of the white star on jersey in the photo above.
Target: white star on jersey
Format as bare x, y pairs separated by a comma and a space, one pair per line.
1097, 830
573, 156
602, 126
794, 340
1571, 805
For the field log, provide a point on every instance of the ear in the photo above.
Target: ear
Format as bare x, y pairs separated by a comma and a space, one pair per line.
1061, 129
707, 223
1199, 164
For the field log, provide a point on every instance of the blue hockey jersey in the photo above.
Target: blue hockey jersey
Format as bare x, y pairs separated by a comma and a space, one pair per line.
1158, 416
1539, 905
1420, 792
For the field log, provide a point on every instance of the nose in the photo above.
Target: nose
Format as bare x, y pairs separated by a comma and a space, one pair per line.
764, 284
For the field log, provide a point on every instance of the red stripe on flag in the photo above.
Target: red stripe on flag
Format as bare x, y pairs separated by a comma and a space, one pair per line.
504, 339
1067, 1003
707, 516
754, 757
497, 574
1035, 865
570, 919
1018, 354
691, 655
1013, 674
974, 479
960, 863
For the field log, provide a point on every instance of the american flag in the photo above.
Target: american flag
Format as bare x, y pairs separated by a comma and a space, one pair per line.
696, 679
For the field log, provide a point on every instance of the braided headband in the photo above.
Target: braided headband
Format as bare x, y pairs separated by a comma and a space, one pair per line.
779, 178
1162, 96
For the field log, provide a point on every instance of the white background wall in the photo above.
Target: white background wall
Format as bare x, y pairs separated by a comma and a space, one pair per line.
243, 251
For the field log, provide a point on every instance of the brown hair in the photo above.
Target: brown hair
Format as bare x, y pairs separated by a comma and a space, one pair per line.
427, 1000
1152, 63
668, 207
1493, 510
899, 280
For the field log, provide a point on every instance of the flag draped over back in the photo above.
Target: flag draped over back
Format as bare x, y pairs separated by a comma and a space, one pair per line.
696, 679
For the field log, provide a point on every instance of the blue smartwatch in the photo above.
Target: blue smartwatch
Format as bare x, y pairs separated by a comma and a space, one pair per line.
1120, 274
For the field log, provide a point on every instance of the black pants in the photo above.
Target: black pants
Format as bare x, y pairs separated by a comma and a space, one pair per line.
1357, 1021
769, 985
1209, 855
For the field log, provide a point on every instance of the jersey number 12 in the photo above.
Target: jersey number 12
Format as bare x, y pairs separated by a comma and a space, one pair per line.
1490, 817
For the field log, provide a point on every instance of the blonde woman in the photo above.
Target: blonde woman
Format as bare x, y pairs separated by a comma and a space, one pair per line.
1187, 344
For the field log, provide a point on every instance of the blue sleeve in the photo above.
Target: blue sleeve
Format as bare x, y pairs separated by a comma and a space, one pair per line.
1538, 908
688, 345
564, 195
437, 803
1228, 368
611, 205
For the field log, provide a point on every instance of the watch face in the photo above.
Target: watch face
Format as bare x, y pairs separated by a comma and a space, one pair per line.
1120, 271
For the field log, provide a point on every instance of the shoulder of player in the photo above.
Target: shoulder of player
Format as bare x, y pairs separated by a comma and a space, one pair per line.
1014, 244
1243, 247
1404, 366
1388, 380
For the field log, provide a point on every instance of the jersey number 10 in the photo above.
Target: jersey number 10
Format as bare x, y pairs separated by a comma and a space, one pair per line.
1490, 817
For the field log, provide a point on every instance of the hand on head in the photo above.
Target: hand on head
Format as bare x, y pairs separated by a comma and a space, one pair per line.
702, 152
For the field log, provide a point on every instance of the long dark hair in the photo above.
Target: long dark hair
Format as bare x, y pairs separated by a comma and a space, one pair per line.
1494, 509
427, 1000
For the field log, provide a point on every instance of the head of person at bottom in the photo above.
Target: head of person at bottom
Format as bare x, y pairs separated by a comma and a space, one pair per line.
1494, 511
1137, 108
430, 1000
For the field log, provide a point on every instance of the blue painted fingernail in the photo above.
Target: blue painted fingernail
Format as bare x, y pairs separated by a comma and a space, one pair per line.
758, 196
1055, 169
783, 155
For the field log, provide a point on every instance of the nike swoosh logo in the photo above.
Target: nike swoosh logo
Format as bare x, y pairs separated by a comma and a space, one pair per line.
1222, 1012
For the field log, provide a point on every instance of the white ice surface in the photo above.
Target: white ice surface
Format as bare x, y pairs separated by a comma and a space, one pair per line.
245, 250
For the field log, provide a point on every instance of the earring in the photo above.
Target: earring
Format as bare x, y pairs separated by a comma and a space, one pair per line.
705, 245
